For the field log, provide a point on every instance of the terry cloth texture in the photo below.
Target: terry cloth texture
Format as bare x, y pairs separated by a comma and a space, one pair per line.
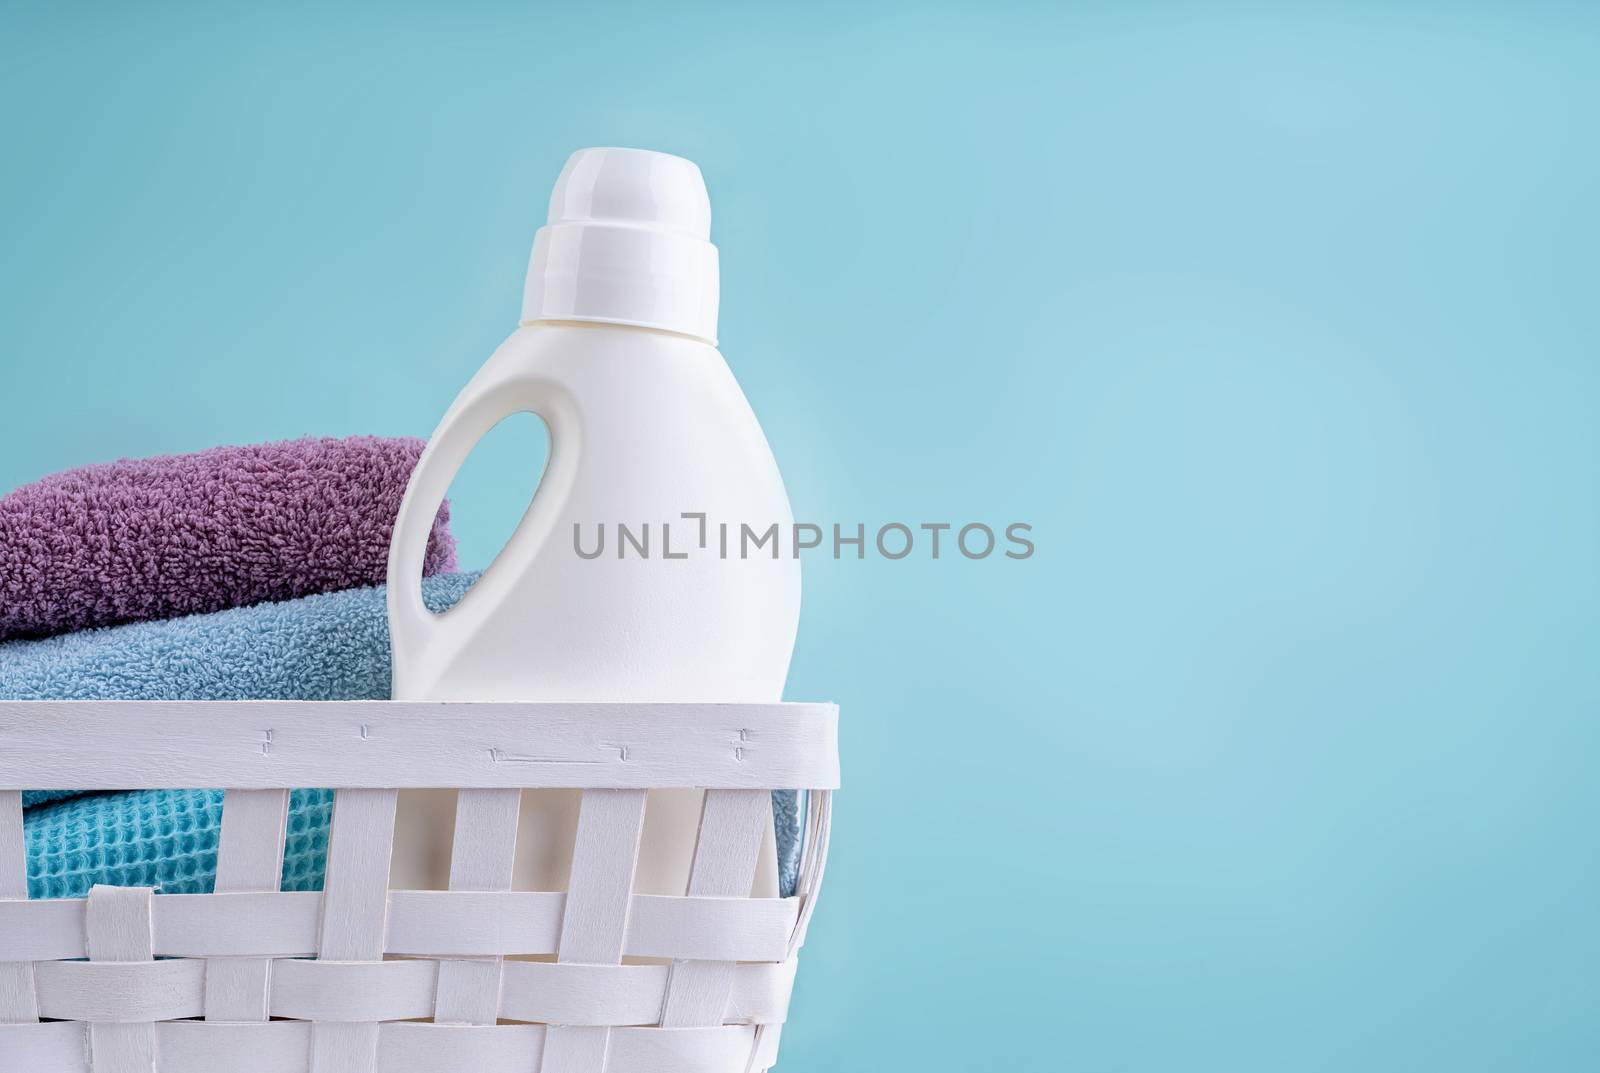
179, 535
333, 646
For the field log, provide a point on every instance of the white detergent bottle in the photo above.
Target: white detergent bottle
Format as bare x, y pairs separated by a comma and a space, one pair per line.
616, 352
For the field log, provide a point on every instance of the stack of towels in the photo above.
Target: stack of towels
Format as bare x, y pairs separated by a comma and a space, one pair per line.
238, 573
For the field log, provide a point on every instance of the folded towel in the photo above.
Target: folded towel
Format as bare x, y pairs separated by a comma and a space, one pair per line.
166, 839
187, 534
333, 646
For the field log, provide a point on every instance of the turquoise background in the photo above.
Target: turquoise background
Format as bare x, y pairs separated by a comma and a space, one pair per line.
1278, 325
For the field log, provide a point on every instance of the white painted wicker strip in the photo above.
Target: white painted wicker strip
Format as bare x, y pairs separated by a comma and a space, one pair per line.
13, 851
732, 823
387, 961
563, 993
594, 922
18, 1004
249, 858
122, 1008
355, 904
393, 744
819, 822
355, 891
819, 825
482, 857
403, 1047
422, 923
250, 848
18, 993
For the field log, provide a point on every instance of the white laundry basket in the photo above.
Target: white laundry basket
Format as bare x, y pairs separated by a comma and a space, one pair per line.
359, 978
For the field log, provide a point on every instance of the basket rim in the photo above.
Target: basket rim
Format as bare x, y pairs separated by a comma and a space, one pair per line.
275, 744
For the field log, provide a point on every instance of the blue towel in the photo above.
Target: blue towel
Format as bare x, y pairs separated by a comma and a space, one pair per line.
333, 646
328, 647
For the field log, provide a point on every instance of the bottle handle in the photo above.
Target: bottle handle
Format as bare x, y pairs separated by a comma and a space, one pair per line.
481, 406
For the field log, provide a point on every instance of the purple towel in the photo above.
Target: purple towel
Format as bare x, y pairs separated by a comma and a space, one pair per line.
187, 534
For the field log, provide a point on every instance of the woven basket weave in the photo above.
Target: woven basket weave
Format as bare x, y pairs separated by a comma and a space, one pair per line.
359, 978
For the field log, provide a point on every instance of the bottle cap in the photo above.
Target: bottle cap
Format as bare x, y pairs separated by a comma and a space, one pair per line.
628, 241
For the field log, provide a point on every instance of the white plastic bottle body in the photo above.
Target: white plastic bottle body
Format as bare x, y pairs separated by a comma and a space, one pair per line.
645, 427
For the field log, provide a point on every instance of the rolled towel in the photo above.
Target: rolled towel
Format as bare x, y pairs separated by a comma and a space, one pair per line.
333, 646
178, 535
